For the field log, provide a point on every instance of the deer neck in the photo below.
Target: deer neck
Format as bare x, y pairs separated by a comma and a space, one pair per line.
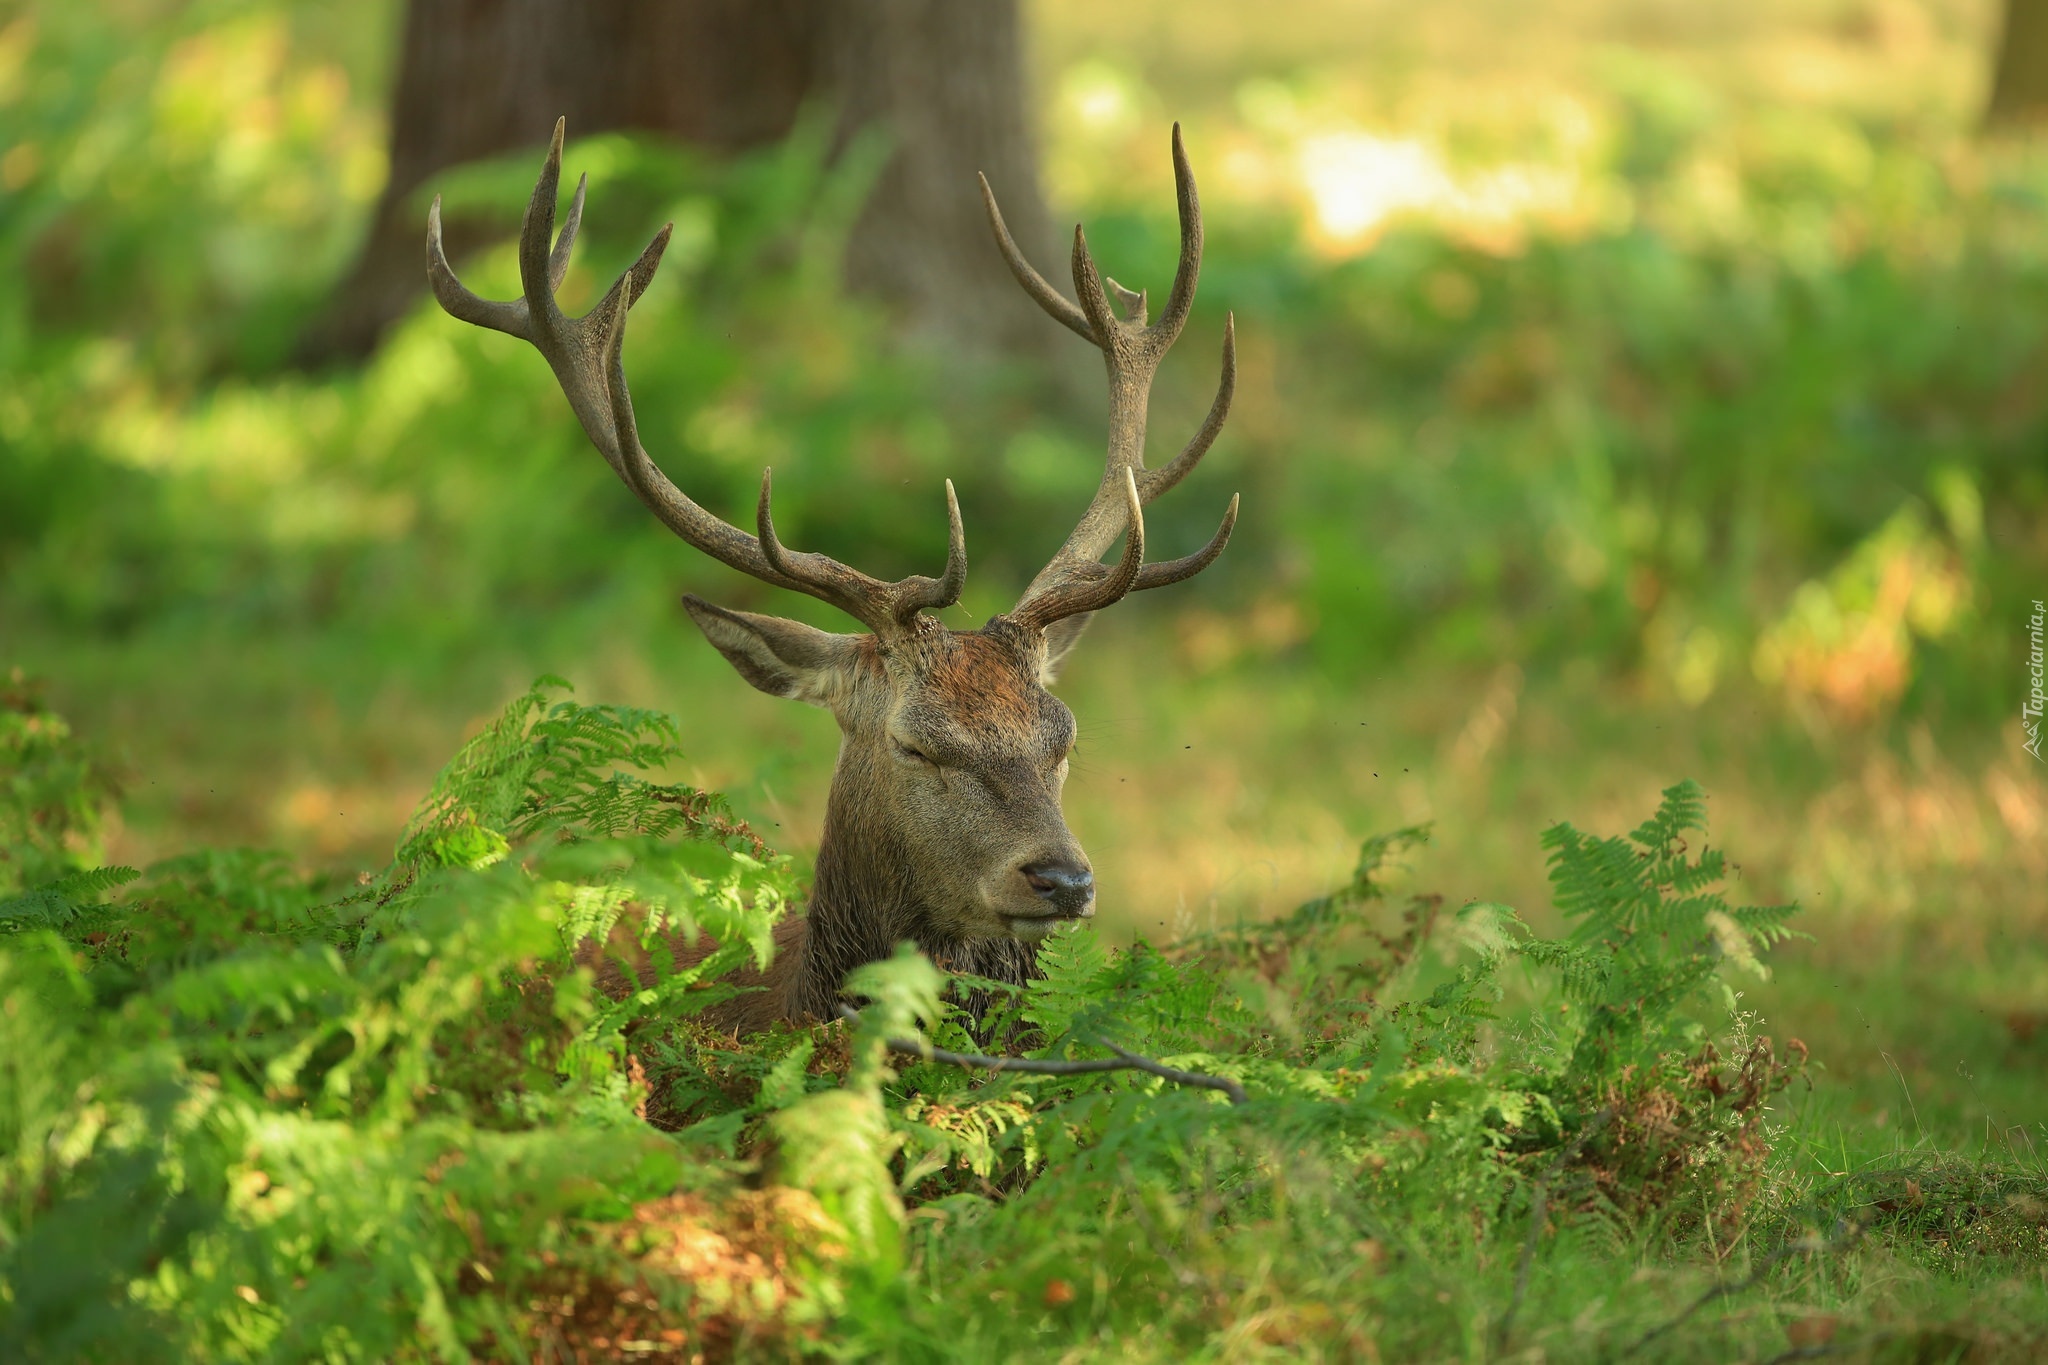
865, 900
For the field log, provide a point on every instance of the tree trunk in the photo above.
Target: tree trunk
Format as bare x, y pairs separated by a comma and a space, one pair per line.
944, 80
2019, 84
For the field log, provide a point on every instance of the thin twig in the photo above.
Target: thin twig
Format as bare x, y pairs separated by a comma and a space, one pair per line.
1180, 1077
1032, 1066
1539, 1201
1846, 1232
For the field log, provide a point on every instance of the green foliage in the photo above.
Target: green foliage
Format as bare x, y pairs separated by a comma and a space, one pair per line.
251, 1118
54, 791
1680, 435
72, 903
121, 214
247, 1114
1649, 930
369, 499
541, 769
1766, 408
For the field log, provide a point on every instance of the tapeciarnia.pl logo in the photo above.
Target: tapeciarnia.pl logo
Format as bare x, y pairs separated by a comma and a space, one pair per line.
2030, 710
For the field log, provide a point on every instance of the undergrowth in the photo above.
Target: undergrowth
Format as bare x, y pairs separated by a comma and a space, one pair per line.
249, 1113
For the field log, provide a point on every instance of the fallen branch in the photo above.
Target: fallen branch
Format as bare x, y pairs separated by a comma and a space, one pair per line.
1032, 1066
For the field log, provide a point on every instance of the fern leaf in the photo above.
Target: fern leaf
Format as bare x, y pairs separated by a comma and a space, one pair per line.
65, 903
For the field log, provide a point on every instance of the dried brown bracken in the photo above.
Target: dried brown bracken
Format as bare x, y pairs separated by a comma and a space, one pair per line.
688, 1278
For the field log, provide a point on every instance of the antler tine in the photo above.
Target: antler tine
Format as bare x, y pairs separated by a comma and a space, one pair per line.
1157, 481
1132, 351
883, 607
922, 594
455, 297
537, 234
1131, 301
671, 506
579, 350
1174, 315
587, 355
1041, 291
820, 575
1187, 566
1094, 302
1076, 593
558, 259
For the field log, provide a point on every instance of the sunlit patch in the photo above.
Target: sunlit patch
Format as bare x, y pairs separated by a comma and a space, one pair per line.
276, 135
1698, 666
332, 820
1489, 722
1100, 98
740, 1263
1846, 641
2020, 805
17, 40
1357, 183
1351, 170
1893, 836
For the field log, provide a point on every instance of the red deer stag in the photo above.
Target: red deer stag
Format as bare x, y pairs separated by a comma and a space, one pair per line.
943, 825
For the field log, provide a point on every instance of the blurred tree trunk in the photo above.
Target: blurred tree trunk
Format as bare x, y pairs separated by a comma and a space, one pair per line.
943, 79
2019, 84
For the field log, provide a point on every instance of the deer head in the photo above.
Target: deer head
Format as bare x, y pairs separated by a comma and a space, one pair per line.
943, 824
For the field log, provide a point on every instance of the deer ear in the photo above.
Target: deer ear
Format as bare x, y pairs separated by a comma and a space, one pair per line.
1060, 637
781, 658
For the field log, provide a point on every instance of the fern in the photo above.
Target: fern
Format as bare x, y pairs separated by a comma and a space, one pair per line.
54, 793
1071, 994
398, 1117
1649, 930
544, 767
74, 905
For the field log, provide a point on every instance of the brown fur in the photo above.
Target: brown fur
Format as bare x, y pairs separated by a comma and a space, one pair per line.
929, 850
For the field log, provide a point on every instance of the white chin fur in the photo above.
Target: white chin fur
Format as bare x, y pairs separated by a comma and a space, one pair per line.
1033, 930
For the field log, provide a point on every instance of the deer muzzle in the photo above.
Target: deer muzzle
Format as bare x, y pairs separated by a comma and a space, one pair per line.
1066, 889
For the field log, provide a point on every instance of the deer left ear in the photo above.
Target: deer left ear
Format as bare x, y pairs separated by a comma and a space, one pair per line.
1060, 637
781, 658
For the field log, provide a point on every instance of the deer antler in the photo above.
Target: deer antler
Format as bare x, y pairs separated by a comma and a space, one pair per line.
1075, 580
587, 355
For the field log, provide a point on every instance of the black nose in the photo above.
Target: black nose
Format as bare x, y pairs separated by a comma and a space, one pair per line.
1070, 887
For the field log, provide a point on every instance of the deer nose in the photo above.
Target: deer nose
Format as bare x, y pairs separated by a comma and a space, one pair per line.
1068, 886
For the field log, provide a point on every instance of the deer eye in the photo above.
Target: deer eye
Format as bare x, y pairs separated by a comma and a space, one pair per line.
912, 753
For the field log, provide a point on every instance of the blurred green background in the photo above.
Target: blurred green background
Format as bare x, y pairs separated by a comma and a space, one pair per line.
1630, 390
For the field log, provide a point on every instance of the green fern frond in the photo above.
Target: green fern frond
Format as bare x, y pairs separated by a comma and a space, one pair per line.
73, 905
1069, 993
1651, 926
